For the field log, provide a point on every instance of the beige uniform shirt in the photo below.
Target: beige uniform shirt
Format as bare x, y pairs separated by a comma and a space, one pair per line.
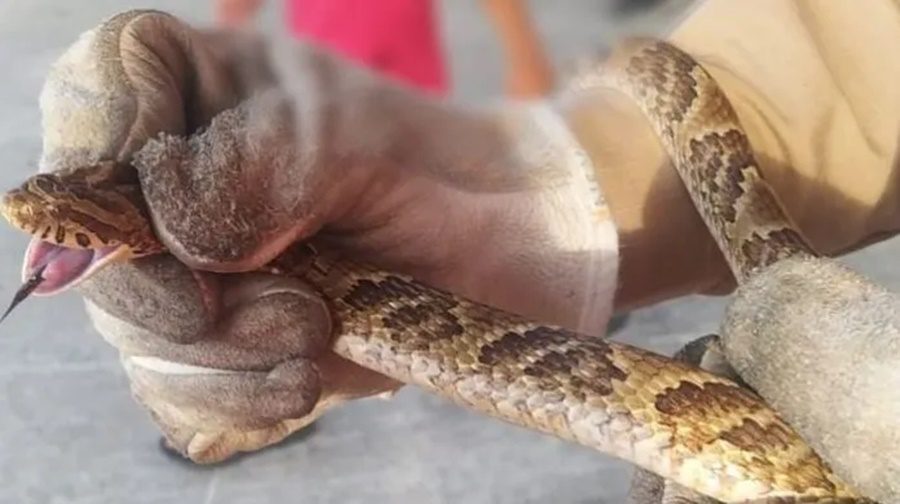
816, 84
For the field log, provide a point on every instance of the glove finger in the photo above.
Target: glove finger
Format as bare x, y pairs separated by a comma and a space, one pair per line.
208, 447
217, 400
231, 198
135, 75
210, 423
262, 372
268, 319
159, 295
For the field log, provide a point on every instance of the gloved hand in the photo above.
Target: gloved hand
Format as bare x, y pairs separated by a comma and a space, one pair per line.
223, 364
245, 145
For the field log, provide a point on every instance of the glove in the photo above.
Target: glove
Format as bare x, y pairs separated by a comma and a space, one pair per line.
244, 145
223, 364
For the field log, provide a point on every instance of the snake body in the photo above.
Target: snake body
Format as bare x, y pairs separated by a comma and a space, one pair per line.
702, 134
704, 432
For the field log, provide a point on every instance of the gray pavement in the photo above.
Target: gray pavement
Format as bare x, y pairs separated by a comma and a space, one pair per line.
70, 433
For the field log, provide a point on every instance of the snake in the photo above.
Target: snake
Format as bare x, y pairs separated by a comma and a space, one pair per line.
702, 431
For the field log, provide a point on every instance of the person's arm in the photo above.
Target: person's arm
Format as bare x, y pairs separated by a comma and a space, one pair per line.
818, 96
528, 71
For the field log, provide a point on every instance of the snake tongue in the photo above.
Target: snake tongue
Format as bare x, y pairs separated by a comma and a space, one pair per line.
64, 266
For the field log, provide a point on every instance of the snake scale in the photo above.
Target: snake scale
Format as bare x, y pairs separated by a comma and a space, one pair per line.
699, 430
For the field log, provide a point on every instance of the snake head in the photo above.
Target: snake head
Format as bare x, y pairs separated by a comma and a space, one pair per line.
80, 220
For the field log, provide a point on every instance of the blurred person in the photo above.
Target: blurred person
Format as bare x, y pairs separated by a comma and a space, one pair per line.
402, 38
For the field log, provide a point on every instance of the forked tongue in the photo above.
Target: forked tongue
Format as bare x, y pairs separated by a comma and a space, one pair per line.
62, 265
49, 268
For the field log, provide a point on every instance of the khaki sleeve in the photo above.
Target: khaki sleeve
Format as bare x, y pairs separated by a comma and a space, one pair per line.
815, 83
817, 86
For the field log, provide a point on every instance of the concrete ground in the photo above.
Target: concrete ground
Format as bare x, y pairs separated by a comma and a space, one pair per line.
70, 432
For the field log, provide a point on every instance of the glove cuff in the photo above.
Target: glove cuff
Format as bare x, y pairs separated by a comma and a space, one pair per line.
571, 202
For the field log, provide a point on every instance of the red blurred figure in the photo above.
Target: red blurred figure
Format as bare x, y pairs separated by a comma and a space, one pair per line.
402, 39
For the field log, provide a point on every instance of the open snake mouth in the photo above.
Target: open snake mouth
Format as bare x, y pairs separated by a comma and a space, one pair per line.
65, 267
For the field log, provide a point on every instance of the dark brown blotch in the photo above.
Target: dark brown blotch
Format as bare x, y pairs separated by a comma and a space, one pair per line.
366, 293
514, 346
82, 240
60, 235
403, 305
104, 232
688, 398
411, 315
664, 67
430, 322
759, 250
448, 327
558, 359
750, 435
721, 159
703, 407
110, 201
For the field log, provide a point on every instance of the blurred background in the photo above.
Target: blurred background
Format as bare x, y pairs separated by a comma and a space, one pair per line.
70, 432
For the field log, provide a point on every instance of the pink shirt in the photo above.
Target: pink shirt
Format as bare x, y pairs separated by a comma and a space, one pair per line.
398, 38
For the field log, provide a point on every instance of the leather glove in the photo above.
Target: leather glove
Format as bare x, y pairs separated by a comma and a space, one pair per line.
222, 363
245, 145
